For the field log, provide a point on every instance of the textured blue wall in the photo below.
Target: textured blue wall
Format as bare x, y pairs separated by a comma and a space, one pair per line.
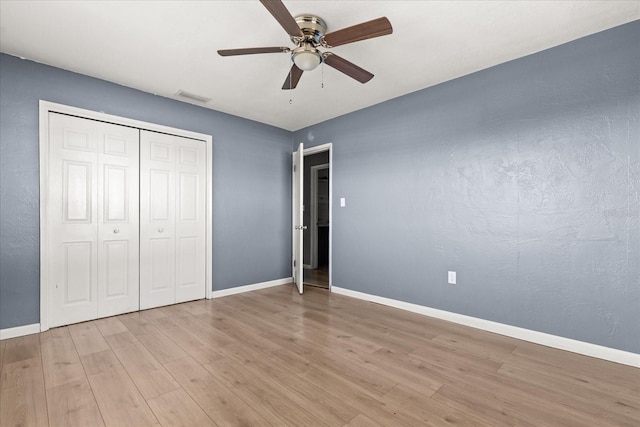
251, 180
524, 178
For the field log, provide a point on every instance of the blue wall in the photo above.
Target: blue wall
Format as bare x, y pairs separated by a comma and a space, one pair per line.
251, 180
524, 178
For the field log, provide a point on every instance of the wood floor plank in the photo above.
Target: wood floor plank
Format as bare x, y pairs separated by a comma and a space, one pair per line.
576, 379
153, 314
100, 362
361, 420
398, 373
110, 326
159, 344
204, 331
59, 357
22, 348
22, 391
519, 400
387, 414
87, 338
176, 408
481, 404
623, 410
73, 404
430, 410
322, 405
119, 400
365, 376
260, 304
195, 347
440, 355
121, 339
213, 396
476, 347
382, 336
146, 372
274, 403
228, 323
70, 400
195, 308
294, 362
626, 376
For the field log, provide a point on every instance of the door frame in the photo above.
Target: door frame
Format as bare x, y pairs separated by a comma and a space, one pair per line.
297, 217
313, 234
306, 152
46, 107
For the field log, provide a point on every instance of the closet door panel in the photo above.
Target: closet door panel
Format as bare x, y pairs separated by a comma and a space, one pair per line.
190, 220
157, 214
118, 192
72, 220
92, 220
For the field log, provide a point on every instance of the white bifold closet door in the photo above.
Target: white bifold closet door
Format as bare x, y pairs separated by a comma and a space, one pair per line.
93, 219
172, 219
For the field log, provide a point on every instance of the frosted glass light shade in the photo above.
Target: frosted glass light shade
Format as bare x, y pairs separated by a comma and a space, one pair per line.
306, 60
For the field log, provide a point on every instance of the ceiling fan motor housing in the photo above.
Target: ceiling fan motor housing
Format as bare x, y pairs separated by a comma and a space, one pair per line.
313, 28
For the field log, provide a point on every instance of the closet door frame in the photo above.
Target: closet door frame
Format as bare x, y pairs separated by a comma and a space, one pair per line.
47, 107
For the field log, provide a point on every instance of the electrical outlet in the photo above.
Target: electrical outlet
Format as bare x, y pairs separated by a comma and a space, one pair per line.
452, 277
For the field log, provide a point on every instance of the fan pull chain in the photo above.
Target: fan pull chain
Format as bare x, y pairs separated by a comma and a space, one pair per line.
322, 70
290, 90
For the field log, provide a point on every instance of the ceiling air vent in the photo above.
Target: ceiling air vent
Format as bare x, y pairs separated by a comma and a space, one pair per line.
193, 97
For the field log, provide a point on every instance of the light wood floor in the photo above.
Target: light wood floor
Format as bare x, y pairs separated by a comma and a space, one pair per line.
274, 358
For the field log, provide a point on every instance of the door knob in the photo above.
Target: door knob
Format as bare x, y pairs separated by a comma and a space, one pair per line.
116, 231
160, 230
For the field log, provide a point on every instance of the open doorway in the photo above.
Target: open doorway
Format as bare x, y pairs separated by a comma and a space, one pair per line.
316, 213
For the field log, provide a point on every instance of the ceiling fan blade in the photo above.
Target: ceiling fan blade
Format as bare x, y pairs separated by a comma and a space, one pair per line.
348, 68
252, 50
292, 78
282, 15
366, 30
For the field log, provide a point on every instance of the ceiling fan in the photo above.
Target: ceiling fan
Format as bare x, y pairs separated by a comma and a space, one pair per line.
308, 33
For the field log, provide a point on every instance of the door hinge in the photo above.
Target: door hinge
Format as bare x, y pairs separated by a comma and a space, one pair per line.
294, 168
294, 262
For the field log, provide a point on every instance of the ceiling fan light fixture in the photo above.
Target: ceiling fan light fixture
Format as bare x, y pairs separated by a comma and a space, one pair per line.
308, 32
306, 58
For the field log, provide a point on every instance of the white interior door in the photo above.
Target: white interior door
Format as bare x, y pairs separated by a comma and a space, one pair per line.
157, 220
90, 165
190, 219
118, 220
172, 213
298, 227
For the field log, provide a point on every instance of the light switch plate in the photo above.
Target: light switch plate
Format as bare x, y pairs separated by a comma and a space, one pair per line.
452, 277
343, 202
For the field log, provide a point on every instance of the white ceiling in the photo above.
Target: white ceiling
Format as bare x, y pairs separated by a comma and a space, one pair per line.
162, 47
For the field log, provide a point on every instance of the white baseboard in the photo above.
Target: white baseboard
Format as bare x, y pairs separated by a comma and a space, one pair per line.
19, 331
249, 288
307, 266
568, 344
